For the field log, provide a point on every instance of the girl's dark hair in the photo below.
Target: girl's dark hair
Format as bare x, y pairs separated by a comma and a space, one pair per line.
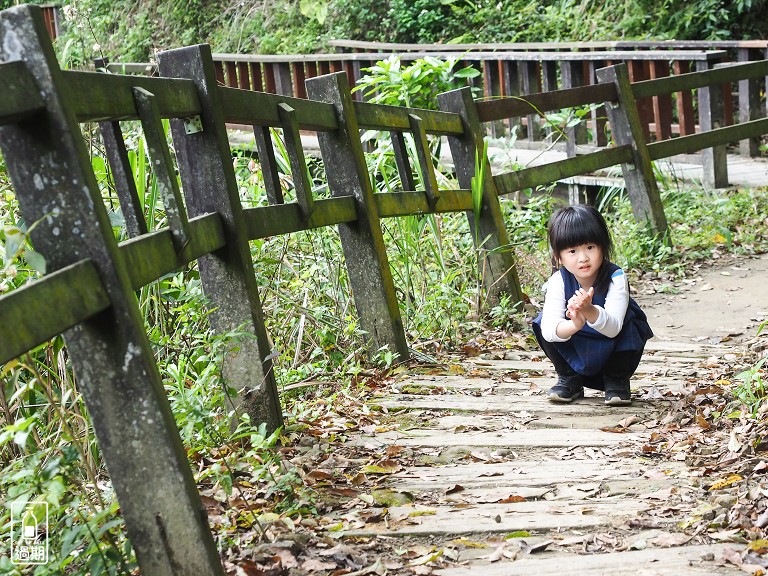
581, 224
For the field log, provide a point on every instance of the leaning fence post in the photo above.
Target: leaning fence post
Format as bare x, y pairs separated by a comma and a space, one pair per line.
362, 240
627, 129
499, 273
209, 184
111, 354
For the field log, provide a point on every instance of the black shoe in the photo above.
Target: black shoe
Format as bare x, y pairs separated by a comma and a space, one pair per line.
618, 394
567, 389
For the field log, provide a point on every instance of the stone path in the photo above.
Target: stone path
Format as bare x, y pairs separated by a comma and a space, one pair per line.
505, 482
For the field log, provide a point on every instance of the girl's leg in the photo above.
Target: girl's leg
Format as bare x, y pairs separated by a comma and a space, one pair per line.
569, 385
616, 374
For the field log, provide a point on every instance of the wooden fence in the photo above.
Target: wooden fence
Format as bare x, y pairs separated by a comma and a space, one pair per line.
660, 117
527, 68
89, 291
517, 72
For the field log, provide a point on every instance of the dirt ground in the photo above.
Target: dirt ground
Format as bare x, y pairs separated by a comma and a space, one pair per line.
726, 300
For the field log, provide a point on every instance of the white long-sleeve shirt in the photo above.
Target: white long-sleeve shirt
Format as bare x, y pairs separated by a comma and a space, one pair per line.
610, 317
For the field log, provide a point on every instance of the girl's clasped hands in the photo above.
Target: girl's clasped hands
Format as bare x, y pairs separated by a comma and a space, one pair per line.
576, 305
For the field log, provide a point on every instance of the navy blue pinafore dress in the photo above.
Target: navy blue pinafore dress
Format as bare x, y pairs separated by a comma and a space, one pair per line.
587, 351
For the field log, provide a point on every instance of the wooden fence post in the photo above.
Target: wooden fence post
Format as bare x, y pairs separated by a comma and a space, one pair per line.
499, 271
711, 116
628, 130
56, 189
362, 241
209, 184
573, 76
529, 84
749, 103
511, 84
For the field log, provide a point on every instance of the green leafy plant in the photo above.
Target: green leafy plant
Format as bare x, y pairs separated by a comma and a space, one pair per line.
416, 85
751, 392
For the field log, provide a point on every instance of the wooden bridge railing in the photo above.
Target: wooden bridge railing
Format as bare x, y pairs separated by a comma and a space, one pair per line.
89, 293
508, 73
750, 101
517, 72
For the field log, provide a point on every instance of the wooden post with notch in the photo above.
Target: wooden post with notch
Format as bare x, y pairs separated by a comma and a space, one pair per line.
117, 375
362, 241
499, 271
209, 184
627, 129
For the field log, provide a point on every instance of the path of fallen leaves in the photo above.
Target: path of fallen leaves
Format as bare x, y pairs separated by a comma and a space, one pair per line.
462, 466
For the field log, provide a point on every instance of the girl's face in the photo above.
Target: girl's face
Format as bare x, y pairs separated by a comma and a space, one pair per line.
583, 262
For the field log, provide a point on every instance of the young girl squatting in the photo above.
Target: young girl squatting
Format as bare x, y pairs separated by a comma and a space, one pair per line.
589, 327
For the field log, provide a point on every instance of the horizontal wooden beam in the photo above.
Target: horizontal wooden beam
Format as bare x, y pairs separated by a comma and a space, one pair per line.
153, 255
717, 137
388, 118
517, 56
511, 107
96, 96
21, 98
260, 109
266, 221
549, 46
538, 175
410, 203
693, 80
47, 307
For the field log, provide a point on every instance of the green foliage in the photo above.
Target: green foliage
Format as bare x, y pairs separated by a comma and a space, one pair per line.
125, 30
704, 19
700, 222
278, 27
751, 391
416, 85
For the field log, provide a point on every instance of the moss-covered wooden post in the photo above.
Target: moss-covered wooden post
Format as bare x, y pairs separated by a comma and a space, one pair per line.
209, 184
362, 241
117, 375
498, 264
627, 130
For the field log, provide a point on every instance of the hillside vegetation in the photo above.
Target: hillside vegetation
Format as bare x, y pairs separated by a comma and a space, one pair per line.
131, 30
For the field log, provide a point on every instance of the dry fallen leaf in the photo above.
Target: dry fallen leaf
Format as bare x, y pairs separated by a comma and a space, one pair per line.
511, 499
725, 482
383, 467
534, 548
669, 540
497, 554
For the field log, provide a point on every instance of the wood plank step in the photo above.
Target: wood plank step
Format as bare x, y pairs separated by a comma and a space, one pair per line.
539, 404
512, 385
531, 473
679, 561
511, 439
503, 518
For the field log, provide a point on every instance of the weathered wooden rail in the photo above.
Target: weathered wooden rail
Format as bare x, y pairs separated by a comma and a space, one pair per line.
89, 292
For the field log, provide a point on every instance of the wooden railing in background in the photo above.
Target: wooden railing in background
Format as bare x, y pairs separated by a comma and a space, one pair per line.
52, 18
